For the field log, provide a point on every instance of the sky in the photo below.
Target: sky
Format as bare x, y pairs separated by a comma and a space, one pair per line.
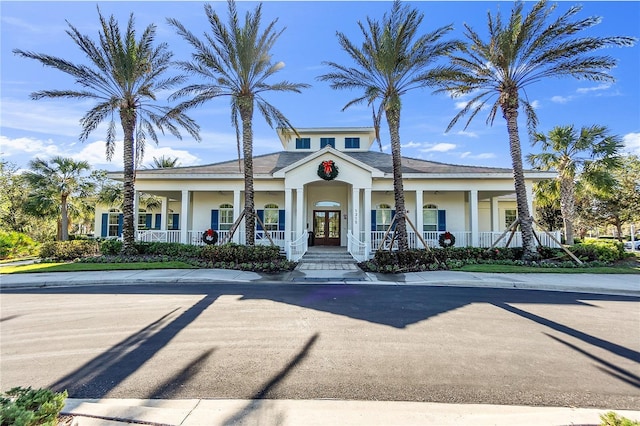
51, 127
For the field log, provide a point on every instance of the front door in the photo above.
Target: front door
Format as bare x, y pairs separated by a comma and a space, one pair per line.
326, 227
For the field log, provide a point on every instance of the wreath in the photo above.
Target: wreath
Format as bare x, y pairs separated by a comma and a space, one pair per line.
209, 236
446, 239
328, 170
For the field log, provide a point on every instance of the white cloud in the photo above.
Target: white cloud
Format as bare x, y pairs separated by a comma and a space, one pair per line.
631, 143
29, 146
440, 147
603, 86
535, 104
467, 134
481, 156
560, 99
411, 144
26, 149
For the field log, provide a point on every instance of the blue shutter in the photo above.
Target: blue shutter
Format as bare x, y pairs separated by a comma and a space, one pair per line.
281, 218
158, 221
442, 220
120, 223
393, 214
105, 225
373, 220
147, 220
215, 219
260, 214
176, 221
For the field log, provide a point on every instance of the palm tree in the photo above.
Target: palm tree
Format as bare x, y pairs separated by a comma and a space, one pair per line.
54, 183
392, 60
518, 53
165, 162
590, 155
124, 77
235, 61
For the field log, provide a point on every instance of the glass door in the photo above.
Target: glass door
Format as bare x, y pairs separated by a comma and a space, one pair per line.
326, 227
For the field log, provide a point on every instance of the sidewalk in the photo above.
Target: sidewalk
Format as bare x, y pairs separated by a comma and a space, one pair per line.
619, 284
212, 412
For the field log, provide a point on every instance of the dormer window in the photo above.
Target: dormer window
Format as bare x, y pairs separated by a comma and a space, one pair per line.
303, 143
327, 141
352, 143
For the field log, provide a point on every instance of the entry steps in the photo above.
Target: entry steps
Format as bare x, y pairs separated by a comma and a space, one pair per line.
327, 255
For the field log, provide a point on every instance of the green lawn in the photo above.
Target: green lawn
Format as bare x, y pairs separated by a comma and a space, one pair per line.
78, 267
530, 269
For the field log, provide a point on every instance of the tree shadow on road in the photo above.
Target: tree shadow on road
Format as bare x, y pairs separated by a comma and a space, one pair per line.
392, 306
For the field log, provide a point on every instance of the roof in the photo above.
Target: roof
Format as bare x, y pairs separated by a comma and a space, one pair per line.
270, 163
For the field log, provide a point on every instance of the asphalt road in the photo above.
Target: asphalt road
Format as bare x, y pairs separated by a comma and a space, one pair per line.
308, 341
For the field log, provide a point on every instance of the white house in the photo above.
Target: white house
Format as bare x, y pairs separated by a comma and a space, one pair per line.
350, 203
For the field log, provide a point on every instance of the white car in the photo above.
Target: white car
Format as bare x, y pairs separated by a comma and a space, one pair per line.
628, 246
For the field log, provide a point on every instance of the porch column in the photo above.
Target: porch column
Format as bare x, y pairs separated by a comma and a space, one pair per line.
473, 214
184, 215
495, 215
288, 219
164, 213
236, 214
529, 189
367, 222
300, 225
419, 216
355, 212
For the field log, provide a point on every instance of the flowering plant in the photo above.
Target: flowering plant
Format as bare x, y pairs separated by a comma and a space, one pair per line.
328, 170
446, 239
209, 236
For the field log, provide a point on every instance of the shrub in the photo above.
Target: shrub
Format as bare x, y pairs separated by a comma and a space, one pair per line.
110, 247
612, 419
27, 407
16, 244
173, 250
68, 250
236, 253
600, 250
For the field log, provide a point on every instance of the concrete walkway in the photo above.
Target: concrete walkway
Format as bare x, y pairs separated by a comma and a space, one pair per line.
114, 412
213, 412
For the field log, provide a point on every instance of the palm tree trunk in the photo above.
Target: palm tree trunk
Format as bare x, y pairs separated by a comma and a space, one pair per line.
393, 120
526, 221
246, 114
128, 126
64, 219
567, 207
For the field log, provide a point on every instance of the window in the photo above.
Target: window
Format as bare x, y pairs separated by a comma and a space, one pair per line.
226, 217
271, 217
303, 143
510, 216
142, 219
430, 217
327, 141
351, 143
114, 223
383, 217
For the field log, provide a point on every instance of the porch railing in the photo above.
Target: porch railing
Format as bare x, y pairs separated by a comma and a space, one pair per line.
157, 236
298, 247
356, 248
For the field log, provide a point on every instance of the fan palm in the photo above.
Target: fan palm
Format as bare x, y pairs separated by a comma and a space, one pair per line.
165, 162
524, 50
392, 60
124, 77
590, 155
54, 182
235, 61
